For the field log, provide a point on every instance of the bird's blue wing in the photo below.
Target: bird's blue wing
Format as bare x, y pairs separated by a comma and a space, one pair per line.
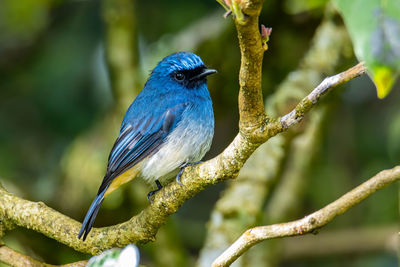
139, 140
139, 137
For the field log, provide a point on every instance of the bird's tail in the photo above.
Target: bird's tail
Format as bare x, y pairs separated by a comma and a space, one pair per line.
91, 215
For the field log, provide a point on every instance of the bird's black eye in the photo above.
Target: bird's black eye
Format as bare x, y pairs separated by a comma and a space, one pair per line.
179, 76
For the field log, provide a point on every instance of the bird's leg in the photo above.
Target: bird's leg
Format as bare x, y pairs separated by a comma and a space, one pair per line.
159, 186
183, 166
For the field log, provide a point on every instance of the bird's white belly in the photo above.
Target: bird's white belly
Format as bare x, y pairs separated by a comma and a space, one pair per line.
187, 143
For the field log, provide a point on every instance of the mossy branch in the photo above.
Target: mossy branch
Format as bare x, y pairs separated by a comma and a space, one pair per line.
143, 227
241, 203
311, 222
251, 105
255, 129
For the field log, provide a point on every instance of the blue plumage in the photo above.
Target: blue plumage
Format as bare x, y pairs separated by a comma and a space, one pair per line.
168, 125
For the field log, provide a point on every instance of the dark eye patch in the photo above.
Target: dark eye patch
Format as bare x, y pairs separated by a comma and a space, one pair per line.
190, 73
193, 72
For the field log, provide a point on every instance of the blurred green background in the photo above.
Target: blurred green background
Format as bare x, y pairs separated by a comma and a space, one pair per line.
61, 104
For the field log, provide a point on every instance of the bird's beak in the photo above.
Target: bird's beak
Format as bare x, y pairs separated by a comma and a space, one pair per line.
203, 74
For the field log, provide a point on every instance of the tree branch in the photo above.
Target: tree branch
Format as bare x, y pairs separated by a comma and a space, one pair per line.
251, 106
16, 259
309, 223
255, 128
328, 83
241, 202
143, 227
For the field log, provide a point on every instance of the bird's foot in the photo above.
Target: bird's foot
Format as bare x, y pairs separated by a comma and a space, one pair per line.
159, 186
183, 166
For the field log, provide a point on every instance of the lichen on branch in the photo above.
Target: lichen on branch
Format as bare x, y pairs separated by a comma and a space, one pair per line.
143, 227
255, 128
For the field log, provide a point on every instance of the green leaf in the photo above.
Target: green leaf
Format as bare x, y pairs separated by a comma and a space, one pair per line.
374, 27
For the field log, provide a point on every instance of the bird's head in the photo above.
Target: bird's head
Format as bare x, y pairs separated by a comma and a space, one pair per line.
181, 69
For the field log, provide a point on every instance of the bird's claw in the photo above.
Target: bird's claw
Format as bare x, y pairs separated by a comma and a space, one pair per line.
183, 166
151, 193
178, 177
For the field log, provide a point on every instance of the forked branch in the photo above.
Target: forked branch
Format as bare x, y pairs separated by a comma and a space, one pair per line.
143, 227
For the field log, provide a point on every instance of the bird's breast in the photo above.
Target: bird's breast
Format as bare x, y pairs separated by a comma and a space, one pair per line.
188, 142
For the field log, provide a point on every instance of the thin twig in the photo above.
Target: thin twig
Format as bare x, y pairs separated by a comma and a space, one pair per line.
309, 223
328, 83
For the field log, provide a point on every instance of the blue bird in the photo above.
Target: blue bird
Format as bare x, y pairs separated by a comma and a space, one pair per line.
169, 126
